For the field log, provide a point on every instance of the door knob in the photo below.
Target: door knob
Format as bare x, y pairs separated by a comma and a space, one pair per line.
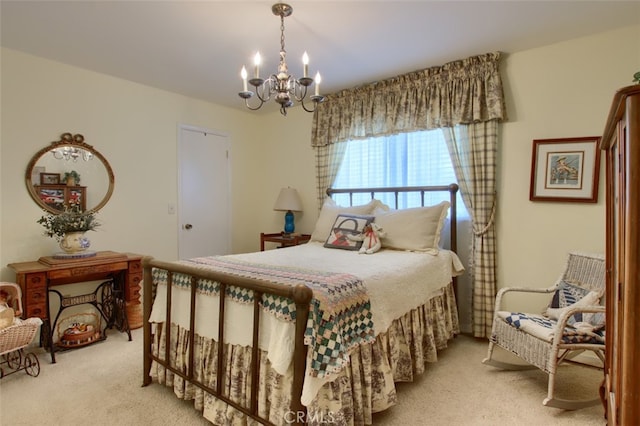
188, 226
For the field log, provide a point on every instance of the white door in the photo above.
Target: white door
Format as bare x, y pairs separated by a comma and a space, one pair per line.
204, 213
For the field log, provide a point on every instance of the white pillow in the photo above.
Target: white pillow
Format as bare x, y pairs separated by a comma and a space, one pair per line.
330, 210
415, 229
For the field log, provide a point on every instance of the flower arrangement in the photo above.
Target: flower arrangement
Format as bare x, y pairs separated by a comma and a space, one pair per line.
70, 220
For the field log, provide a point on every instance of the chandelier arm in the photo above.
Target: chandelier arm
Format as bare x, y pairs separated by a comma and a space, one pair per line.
315, 105
264, 89
246, 103
299, 91
316, 99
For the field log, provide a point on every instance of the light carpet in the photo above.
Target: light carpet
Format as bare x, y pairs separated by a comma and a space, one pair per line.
101, 385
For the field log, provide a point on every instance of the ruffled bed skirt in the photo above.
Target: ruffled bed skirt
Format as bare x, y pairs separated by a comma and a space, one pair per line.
364, 387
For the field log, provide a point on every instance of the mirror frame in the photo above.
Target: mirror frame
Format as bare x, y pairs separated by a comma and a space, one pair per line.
76, 140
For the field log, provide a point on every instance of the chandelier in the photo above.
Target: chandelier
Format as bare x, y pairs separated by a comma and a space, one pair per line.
283, 87
71, 153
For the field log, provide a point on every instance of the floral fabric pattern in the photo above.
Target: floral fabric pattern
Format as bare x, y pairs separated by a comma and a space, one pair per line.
365, 386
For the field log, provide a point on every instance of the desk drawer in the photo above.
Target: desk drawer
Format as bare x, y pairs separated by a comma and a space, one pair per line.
133, 287
82, 271
36, 310
135, 266
35, 295
35, 290
133, 294
36, 280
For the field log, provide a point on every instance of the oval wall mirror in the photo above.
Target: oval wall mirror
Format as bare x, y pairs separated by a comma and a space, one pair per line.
69, 174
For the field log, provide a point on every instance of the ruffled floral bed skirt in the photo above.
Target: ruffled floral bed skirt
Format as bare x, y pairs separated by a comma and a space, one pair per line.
365, 387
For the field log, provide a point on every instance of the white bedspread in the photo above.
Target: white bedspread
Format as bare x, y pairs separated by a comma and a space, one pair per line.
397, 282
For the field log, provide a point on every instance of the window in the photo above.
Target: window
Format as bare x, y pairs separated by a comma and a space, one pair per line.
407, 159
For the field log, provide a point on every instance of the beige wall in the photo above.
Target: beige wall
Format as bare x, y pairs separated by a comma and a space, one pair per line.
562, 90
135, 128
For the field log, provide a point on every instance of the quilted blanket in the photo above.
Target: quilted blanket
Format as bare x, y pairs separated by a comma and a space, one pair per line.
544, 328
340, 312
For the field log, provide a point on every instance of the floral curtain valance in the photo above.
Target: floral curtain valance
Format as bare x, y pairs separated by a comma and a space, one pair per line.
461, 92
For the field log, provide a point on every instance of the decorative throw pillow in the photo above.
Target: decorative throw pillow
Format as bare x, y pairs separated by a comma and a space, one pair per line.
569, 295
344, 229
330, 210
415, 229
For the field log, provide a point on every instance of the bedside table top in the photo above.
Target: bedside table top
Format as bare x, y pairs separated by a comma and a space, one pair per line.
283, 239
286, 237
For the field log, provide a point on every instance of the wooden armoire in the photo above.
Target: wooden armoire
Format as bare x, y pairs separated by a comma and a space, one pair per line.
621, 142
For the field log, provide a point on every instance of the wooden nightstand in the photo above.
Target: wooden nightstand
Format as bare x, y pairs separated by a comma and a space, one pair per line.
283, 239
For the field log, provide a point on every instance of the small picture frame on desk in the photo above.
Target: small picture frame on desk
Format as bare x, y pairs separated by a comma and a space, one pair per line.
49, 178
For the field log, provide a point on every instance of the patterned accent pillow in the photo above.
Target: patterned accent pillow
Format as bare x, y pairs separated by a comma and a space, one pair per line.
569, 294
345, 231
330, 210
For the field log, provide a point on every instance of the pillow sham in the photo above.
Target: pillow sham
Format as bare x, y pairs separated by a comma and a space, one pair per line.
414, 229
344, 227
330, 210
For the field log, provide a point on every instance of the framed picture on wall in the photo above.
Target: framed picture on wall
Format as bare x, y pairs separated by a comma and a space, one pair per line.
565, 170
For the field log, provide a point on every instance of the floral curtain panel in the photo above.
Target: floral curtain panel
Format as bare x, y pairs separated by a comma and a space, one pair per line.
460, 93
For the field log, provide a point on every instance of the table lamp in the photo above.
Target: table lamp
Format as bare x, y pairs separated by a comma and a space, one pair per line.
289, 201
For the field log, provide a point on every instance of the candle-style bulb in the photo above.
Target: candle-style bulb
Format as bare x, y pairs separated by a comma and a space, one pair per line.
305, 63
243, 74
318, 79
256, 62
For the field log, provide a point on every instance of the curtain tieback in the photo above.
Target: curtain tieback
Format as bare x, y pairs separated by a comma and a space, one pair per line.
490, 222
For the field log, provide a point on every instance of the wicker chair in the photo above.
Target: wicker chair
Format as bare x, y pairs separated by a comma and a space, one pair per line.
545, 342
15, 337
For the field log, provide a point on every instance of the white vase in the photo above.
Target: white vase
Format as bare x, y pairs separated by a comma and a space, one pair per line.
74, 242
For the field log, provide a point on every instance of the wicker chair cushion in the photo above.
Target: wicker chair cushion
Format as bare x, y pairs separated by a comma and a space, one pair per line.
544, 328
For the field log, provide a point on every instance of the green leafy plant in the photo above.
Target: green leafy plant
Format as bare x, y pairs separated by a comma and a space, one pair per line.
70, 220
72, 174
636, 77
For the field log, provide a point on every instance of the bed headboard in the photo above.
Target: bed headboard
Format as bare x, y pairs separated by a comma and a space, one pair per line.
397, 192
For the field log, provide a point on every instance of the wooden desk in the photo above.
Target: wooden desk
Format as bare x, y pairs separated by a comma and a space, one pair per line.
36, 277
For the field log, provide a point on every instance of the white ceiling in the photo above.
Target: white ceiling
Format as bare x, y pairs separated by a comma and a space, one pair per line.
197, 48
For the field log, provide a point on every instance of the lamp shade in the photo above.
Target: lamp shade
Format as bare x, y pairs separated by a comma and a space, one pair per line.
288, 199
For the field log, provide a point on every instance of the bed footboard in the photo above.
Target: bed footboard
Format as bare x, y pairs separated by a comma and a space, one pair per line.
300, 294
